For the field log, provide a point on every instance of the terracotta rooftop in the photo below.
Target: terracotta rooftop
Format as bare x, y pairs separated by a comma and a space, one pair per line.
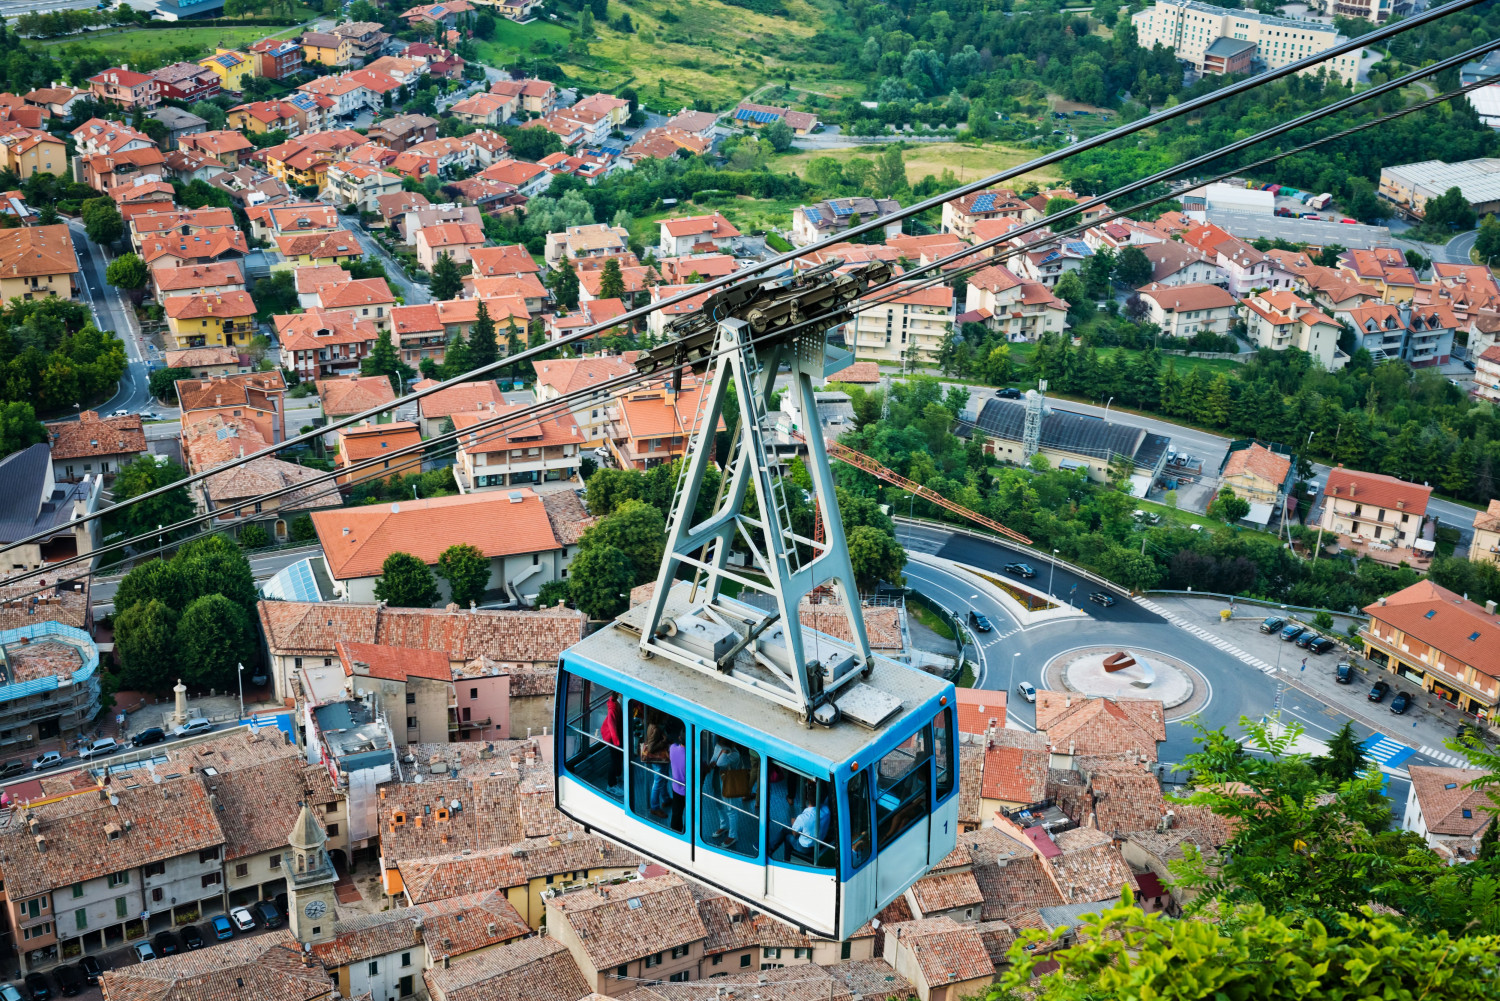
506, 260
459, 398
978, 708
626, 921
1261, 461
354, 394
393, 663
92, 435
536, 969
270, 967
1449, 805
1462, 630
37, 251
569, 375
1090, 867
713, 226
945, 950
259, 785
860, 373
521, 432
1377, 490
512, 637
1015, 767
194, 276
1077, 725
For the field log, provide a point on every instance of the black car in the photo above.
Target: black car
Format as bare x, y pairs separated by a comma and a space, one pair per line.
70, 983
267, 913
91, 969
1400, 703
1344, 673
1102, 598
1377, 694
1305, 640
165, 943
1272, 624
979, 622
15, 766
192, 938
150, 735
1009, 393
39, 986
1020, 569
1292, 631
1321, 645
1468, 364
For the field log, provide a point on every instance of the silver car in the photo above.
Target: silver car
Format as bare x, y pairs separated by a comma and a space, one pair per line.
1027, 691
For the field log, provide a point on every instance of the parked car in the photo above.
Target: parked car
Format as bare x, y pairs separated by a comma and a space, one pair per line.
45, 760
243, 919
15, 766
192, 938
1009, 393
1400, 703
1321, 645
1469, 364
1291, 632
1272, 624
103, 747
1306, 639
70, 982
267, 913
91, 968
1344, 673
1102, 598
1020, 569
222, 928
979, 622
150, 735
39, 986
143, 952
1378, 693
1027, 691
8, 992
196, 725
166, 943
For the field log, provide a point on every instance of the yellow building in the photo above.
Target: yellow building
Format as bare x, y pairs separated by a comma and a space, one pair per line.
1486, 544
300, 164
225, 319
37, 263
326, 48
1256, 474
33, 151
231, 67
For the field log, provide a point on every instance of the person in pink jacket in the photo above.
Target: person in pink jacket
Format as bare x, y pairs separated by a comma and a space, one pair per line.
610, 732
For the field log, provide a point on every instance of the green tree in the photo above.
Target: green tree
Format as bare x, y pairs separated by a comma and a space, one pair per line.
382, 360
779, 134
1228, 507
611, 281
564, 284
127, 272
142, 476
163, 383
467, 571
599, 581
1070, 289
19, 427
146, 643
458, 359
482, 348
1448, 211
214, 636
406, 582
890, 173
213, 564
1132, 267
155, 580
446, 282
102, 221
876, 556
303, 529
1487, 243
1056, 206
1346, 755
253, 536
636, 529
554, 593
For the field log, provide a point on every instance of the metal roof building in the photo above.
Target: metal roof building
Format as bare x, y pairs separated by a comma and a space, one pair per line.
1072, 440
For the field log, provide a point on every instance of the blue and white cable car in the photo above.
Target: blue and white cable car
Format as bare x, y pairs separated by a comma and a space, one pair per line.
794, 771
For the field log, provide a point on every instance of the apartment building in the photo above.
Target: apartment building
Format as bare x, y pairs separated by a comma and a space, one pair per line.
696, 234
367, 443
557, 377
1444, 642
1183, 310
1446, 811
1486, 542
1191, 28
577, 243
123, 86
95, 444
412, 686
908, 325
187, 82
811, 223
37, 262
519, 452
962, 214
50, 673
220, 320
1420, 334
1256, 474
1376, 508
600, 927
258, 397
1022, 311
651, 423
277, 58
1281, 320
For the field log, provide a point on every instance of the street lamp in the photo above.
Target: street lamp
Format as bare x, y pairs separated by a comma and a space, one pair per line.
1106, 407
240, 678
1012, 683
1053, 575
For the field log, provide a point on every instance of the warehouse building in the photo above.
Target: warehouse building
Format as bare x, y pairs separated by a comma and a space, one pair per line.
1409, 185
1072, 440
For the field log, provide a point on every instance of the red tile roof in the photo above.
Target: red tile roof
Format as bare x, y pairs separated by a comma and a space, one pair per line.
977, 707
354, 394
464, 396
1261, 461
1459, 628
1378, 490
393, 663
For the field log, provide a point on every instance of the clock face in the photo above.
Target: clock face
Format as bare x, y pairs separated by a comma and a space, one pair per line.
315, 908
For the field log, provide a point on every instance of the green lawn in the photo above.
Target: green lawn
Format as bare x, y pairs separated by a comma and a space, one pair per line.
930, 619
146, 49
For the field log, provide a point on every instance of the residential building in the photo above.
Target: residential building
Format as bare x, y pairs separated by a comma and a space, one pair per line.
511, 528
1257, 474
1021, 310
194, 247
31, 151
1077, 727
56, 100
663, 143
257, 397
538, 97
437, 409
228, 147
1281, 320
811, 223
359, 186
616, 109
486, 109
362, 443
322, 344
757, 116
540, 969
277, 58
449, 239
422, 216
695, 234
197, 279
557, 377
1486, 542
300, 250
1419, 334
365, 39
605, 928
401, 132
127, 88
637, 280
1191, 28
1409, 186
529, 179
219, 320
326, 49
943, 959
238, 495
51, 687
274, 963
1439, 640
1183, 310
104, 171
296, 114
413, 685
961, 215
508, 260
34, 502
596, 240
100, 136
519, 452
163, 223
1176, 263
187, 82
209, 363
650, 423
37, 262
94, 444
450, 14
905, 325
179, 123
1375, 508
355, 394
1445, 809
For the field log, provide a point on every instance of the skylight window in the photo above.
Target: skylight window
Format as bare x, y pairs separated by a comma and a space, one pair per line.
1430, 613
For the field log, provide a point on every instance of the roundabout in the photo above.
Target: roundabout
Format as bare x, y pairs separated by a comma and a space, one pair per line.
1130, 672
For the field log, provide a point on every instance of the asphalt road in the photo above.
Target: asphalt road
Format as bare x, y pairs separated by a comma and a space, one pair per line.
1458, 248
110, 313
410, 292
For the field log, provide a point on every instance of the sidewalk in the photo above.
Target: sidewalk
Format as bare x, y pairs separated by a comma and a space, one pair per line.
1425, 727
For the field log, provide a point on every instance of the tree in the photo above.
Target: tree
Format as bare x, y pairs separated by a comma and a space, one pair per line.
779, 134
303, 529
382, 359
1070, 289
146, 642
155, 580
564, 284
214, 636
1328, 257
1132, 267
254, 536
482, 349
611, 281
1448, 211
127, 272
599, 581
446, 282
876, 556
19, 427
102, 221
406, 582
276, 294
1487, 243
635, 528
1056, 206
467, 571
142, 476
1346, 756
554, 593
890, 173
163, 383
213, 564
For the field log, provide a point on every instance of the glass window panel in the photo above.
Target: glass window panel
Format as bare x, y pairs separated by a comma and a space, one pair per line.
860, 839
658, 766
942, 751
902, 778
591, 743
729, 795
801, 818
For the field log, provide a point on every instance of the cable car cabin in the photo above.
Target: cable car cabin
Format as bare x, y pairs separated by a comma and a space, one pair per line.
820, 826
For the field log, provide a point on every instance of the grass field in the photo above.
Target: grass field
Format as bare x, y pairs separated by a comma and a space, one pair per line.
967, 162
146, 49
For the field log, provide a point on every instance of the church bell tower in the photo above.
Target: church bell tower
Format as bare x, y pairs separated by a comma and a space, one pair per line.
310, 880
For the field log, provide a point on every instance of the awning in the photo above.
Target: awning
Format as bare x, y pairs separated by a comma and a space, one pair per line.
1260, 514
1424, 545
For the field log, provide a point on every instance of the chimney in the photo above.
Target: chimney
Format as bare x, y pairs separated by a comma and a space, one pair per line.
1489, 607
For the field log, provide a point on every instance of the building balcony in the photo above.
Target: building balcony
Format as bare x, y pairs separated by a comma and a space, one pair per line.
1423, 664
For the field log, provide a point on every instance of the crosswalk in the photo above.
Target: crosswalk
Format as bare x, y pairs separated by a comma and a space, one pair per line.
1385, 751
1445, 757
1207, 636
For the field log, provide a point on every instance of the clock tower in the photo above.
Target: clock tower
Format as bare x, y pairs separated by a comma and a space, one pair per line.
309, 881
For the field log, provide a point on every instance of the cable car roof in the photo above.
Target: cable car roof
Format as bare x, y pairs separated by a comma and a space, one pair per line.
615, 648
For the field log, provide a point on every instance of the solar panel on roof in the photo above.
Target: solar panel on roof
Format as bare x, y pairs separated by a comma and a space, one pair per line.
223, 433
814, 215
841, 210
984, 202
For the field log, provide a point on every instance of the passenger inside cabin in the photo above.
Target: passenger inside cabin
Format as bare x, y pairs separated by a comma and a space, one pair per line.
730, 796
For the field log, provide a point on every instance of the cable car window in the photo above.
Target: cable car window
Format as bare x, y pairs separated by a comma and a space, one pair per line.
942, 751
729, 795
658, 766
592, 742
901, 781
858, 791
800, 818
